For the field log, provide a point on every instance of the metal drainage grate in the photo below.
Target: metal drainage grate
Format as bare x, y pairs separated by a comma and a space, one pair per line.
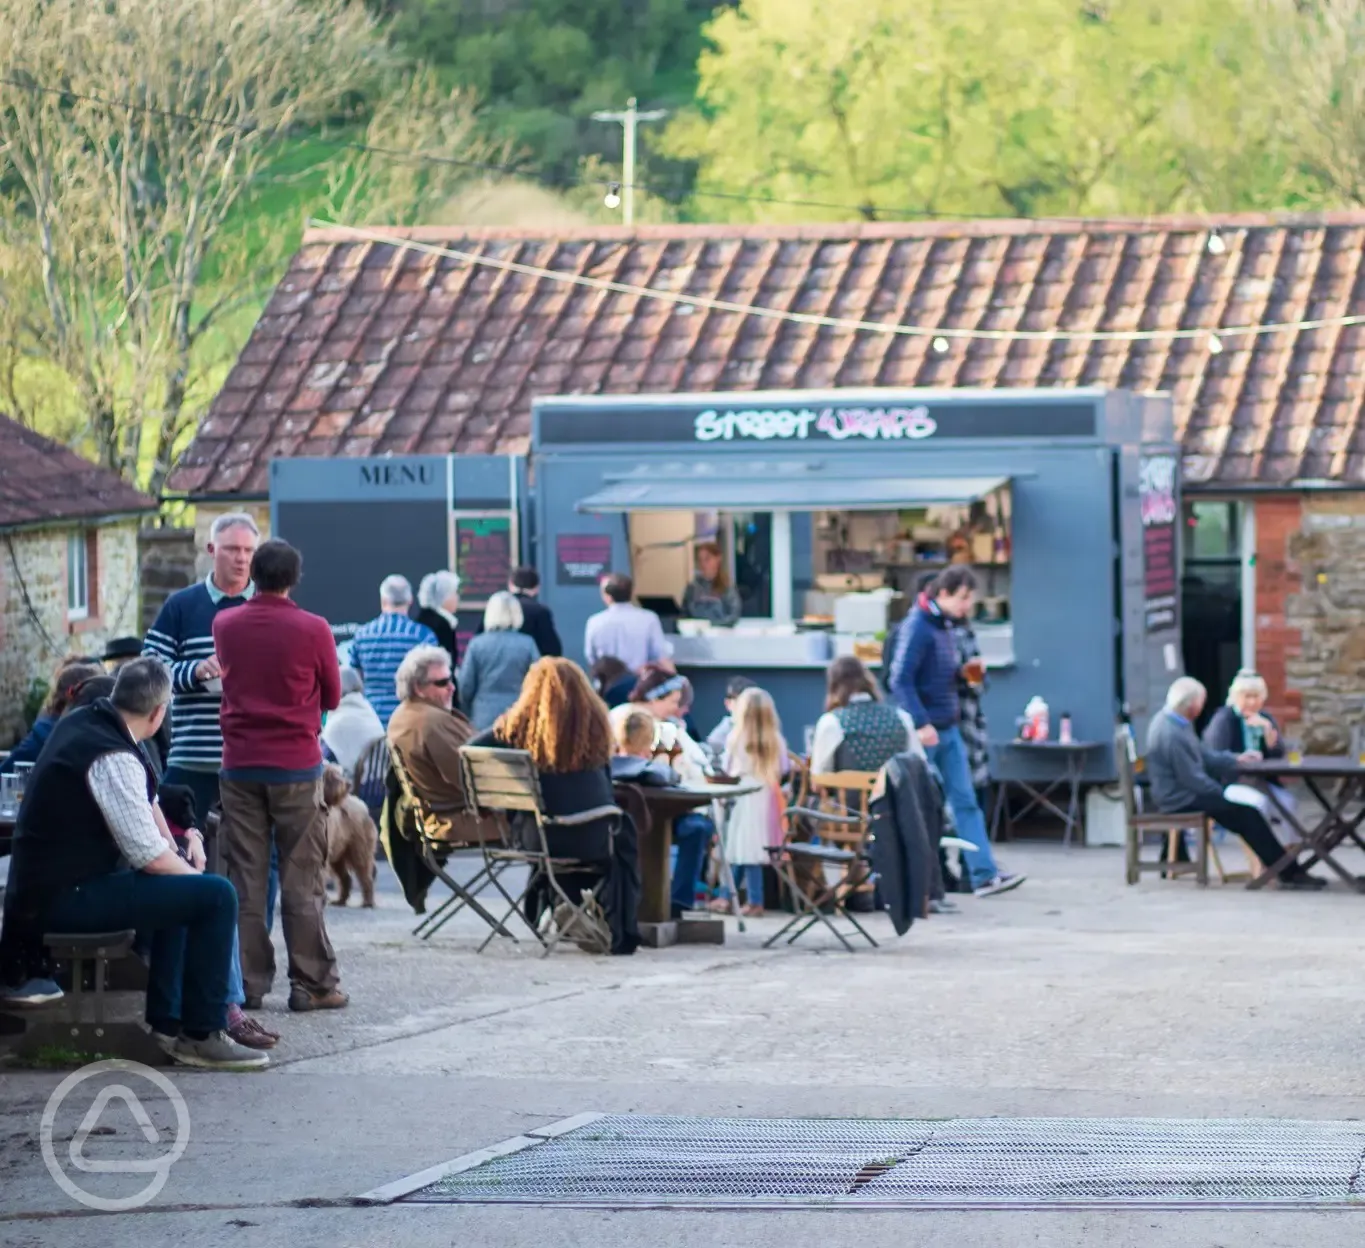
716, 1163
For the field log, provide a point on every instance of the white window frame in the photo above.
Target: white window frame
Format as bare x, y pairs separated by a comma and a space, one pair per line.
78, 575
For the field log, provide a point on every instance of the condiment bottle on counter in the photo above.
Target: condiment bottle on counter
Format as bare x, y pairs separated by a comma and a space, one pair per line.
1064, 728
1036, 714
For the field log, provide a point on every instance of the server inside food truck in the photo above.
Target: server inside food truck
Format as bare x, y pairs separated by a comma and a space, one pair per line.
850, 574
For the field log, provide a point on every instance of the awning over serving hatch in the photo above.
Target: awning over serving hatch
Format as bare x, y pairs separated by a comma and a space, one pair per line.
784, 492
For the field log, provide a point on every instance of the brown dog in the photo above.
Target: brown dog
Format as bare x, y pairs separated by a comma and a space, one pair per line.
351, 837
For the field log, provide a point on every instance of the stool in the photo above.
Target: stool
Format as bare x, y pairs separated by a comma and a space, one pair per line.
74, 1032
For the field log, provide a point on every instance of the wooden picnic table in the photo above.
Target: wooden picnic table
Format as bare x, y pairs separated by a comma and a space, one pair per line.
1336, 783
657, 925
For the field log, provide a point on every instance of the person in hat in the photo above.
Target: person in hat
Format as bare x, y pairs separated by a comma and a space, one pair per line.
122, 650
119, 651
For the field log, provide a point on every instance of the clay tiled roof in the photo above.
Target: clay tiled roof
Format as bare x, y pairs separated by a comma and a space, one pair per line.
40, 481
369, 348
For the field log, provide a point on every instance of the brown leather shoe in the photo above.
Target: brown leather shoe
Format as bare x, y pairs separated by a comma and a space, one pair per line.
329, 999
247, 1031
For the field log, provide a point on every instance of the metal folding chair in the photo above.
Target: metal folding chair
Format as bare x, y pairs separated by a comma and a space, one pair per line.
506, 782
816, 900
436, 853
371, 773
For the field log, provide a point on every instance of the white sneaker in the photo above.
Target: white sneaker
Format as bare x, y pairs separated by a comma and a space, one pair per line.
1001, 884
218, 1052
31, 995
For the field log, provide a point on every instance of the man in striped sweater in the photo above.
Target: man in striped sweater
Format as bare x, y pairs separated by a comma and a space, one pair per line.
182, 638
380, 646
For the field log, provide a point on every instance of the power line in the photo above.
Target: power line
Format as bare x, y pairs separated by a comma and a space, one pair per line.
542, 178
941, 336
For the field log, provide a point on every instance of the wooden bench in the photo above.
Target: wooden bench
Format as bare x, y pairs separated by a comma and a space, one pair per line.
65, 1026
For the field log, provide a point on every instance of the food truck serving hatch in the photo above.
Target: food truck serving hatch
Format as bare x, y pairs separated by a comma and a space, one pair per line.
774, 487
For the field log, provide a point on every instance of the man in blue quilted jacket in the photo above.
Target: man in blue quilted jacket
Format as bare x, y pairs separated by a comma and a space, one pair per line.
924, 671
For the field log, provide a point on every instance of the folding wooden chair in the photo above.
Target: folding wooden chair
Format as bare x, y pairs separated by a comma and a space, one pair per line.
846, 793
435, 851
506, 782
1171, 826
845, 833
371, 773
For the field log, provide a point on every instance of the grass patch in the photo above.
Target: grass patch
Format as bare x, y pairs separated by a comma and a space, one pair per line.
57, 1057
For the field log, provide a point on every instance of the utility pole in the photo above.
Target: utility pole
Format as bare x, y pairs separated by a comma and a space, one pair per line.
629, 120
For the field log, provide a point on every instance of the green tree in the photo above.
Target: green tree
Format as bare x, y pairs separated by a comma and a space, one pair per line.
141, 139
1025, 107
542, 66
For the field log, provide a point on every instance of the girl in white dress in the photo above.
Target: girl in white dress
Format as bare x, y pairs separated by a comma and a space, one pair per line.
755, 751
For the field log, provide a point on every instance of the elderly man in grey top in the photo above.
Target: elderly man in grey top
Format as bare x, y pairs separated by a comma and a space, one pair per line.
624, 631
1187, 776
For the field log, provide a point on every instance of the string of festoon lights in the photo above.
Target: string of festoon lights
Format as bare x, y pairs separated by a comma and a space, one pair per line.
940, 337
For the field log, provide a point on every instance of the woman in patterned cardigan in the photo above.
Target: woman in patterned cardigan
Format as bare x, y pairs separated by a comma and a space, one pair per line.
973, 721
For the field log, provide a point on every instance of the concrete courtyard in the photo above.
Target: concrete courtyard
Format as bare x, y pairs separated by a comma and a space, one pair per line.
1073, 996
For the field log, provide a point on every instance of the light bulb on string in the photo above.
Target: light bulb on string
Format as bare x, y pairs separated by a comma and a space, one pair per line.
612, 198
941, 345
1215, 345
1216, 245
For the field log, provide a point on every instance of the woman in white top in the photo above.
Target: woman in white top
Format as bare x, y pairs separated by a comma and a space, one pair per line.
660, 691
858, 731
353, 726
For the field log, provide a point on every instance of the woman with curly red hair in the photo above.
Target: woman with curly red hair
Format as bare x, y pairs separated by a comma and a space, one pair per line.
562, 724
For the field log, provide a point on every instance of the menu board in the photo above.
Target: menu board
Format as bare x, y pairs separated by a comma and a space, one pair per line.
484, 553
582, 558
1160, 562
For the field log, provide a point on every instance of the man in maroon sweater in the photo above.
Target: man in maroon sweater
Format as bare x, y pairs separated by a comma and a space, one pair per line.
280, 674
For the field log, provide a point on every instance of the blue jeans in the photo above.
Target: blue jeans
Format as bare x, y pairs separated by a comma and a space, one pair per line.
193, 923
950, 757
692, 835
749, 877
272, 888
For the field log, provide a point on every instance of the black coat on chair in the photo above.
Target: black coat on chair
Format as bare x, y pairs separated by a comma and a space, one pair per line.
907, 823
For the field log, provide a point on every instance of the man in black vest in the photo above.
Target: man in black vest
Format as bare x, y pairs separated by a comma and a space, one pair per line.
92, 853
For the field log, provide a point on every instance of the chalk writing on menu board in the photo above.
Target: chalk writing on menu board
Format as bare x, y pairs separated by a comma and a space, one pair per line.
582, 558
1156, 495
483, 555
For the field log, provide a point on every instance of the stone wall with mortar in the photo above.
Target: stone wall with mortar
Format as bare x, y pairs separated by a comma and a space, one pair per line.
35, 630
1327, 615
168, 560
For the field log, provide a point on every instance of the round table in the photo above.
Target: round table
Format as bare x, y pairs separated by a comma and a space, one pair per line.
657, 925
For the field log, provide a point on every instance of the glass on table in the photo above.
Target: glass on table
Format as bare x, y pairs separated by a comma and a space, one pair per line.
22, 772
1293, 752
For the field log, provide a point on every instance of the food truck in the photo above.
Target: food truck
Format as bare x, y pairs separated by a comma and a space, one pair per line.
830, 509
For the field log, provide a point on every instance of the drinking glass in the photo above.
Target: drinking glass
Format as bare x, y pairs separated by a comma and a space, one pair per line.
1293, 751
22, 772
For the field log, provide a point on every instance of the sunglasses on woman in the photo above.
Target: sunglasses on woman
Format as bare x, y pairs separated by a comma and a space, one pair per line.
444, 683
